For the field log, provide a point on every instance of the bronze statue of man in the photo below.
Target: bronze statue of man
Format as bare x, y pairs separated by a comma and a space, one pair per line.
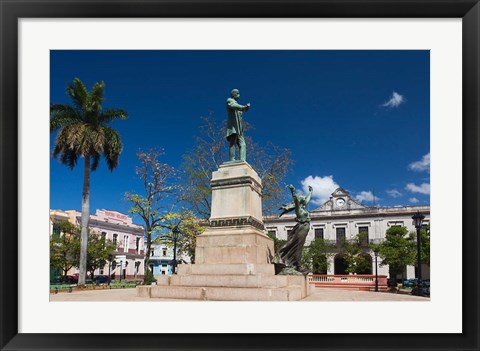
235, 126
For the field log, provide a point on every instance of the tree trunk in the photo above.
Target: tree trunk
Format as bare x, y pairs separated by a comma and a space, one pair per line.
85, 220
146, 268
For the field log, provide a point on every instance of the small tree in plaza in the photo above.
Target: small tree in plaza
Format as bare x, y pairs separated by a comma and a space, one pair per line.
83, 132
315, 257
398, 250
159, 192
188, 227
65, 248
99, 252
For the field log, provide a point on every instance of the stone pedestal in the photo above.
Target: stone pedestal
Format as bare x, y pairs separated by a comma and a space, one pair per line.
233, 258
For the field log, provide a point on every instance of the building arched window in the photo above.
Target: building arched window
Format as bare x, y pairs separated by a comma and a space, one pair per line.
125, 243
137, 245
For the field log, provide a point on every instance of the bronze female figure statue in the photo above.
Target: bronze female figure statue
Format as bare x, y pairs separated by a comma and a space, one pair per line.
291, 253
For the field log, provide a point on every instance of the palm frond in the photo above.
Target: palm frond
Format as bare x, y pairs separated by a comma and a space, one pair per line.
78, 93
67, 155
62, 115
96, 139
61, 142
95, 161
112, 114
75, 138
69, 158
96, 98
112, 147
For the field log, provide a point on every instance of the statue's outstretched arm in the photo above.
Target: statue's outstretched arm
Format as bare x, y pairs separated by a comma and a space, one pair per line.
294, 195
309, 196
236, 106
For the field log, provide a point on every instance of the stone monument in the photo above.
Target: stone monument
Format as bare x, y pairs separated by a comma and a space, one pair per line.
234, 256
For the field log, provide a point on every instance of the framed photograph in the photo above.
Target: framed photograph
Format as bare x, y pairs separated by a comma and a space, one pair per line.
433, 44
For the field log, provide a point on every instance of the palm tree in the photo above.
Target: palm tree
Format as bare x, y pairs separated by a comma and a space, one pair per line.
83, 132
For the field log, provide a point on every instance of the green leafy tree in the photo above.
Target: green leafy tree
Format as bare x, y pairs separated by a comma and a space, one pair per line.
271, 162
315, 257
65, 248
158, 180
398, 250
83, 131
100, 251
358, 261
188, 227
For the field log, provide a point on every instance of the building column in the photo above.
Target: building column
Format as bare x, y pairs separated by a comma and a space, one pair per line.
330, 264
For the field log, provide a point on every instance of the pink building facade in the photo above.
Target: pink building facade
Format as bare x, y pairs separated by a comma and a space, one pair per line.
129, 257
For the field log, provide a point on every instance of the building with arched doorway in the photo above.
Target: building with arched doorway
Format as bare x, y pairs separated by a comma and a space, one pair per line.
341, 218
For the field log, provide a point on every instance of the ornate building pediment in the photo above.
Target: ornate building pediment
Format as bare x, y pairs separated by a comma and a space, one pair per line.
340, 200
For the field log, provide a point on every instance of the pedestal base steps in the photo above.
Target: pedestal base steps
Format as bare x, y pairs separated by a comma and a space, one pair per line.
227, 282
233, 264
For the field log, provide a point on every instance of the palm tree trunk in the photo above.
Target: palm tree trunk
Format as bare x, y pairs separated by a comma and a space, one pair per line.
85, 219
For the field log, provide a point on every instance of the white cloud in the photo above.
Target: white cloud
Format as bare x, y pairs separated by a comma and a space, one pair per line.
323, 187
394, 193
422, 165
395, 101
366, 196
424, 188
413, 200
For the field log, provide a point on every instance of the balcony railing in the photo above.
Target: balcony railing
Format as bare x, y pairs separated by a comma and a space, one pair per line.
342, 242
347, 280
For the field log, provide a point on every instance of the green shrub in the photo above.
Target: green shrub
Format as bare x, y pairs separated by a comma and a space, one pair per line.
148, 279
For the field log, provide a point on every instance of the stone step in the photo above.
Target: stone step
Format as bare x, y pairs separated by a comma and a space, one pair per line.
221, 293
220, 269
230, 281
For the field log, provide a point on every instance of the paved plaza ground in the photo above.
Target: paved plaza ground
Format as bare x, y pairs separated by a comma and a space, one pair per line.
317, 295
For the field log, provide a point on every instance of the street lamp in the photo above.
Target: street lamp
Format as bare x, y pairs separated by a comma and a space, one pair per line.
110, 263
375, 251
175, 236
417, 222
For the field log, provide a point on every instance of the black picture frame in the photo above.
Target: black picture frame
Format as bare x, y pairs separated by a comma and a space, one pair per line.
11, 11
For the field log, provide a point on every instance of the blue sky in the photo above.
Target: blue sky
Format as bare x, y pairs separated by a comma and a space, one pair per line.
355, 119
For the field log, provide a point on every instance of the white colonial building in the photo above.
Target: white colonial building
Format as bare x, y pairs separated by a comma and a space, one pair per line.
342, 218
